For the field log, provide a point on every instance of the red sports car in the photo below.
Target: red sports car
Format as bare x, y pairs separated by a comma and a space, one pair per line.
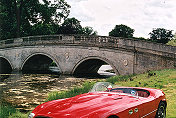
105, 101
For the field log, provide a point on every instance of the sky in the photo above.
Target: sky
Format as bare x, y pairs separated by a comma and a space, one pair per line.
140, 15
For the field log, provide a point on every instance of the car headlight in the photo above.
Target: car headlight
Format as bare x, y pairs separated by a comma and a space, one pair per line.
31, 115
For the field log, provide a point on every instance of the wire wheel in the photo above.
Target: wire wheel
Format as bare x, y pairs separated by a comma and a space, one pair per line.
161, 112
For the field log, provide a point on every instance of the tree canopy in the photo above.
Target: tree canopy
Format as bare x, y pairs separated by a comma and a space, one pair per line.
122, 31
73, 26
70, 26
161, 35
24, 17
88, 31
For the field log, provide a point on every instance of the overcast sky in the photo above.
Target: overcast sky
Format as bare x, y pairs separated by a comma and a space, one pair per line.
141, 15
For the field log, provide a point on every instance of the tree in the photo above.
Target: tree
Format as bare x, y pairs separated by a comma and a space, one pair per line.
70, 26
19, 16
161, 35
88, 31
7, 20
73, 26
122, 31
44, 28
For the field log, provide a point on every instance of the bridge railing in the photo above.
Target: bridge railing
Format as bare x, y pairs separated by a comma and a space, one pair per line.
36, 40
104, 41
97, 41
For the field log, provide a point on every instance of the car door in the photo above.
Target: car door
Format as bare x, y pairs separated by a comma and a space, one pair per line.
136, 108
148, 107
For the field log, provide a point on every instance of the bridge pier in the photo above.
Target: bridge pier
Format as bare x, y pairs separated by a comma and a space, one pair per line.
15, 71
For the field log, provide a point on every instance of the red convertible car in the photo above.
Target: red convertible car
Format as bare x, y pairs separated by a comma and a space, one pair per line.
105, 101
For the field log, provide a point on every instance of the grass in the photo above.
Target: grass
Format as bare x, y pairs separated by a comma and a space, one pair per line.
163, 79
18, 115
6, 110
9, 111
120, 78
70, 93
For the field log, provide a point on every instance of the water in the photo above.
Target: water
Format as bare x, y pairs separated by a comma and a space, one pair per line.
26, 91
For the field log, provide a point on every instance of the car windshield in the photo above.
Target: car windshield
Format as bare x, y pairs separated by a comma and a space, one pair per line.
108, 87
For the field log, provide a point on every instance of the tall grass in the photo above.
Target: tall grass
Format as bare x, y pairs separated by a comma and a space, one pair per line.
70, 93
9, 111
6, 110
18, 115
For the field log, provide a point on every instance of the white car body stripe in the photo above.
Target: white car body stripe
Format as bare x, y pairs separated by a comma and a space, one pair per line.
149, 113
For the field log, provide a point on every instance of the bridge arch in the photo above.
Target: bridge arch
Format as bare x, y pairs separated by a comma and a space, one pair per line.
91, 65
5, 66
32, 59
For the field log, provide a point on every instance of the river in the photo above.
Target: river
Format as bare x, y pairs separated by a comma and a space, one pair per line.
29, 90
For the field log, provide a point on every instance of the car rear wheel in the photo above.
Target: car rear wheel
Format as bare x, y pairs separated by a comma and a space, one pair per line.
161, 112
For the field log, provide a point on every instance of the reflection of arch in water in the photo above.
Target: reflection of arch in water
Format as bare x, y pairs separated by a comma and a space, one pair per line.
91, 65
38, 63
5, 66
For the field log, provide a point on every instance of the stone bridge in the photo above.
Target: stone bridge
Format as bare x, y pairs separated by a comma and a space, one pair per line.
76, 54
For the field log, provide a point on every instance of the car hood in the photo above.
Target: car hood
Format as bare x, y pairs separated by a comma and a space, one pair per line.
85, 105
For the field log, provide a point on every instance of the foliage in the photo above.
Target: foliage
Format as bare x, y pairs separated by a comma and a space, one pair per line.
73, 26
19, 16
7, 19
44, 29
6, 110
122, 31
70, 26
88, 31
161, 35
140, 38
18, 115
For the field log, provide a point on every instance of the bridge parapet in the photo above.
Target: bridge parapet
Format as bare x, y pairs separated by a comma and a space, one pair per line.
92, 41
97, 41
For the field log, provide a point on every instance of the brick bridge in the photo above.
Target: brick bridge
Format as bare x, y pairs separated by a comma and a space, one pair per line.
76, 54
